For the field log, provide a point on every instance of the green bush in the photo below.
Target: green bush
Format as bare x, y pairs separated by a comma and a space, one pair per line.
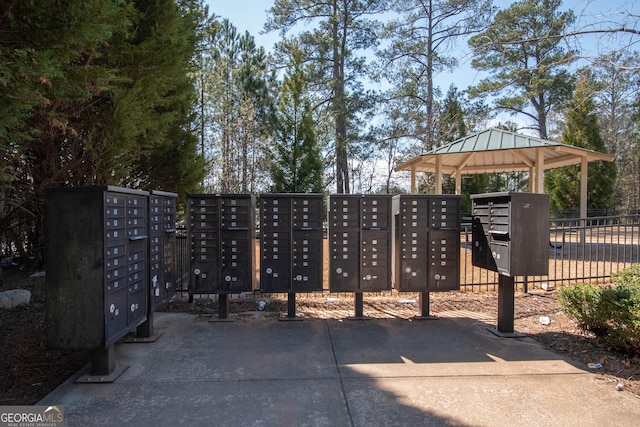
623, 304
582, 303
627, 276
612, 312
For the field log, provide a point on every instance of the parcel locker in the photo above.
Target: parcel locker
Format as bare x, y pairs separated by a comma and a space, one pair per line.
162, 247
221, 230
291, 242
359, 242
511, 233
97, 254
426, 242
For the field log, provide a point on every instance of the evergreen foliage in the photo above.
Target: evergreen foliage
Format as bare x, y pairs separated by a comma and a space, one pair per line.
334, 34
298, 165
612, 312
563, 184
419, 46
238, 109
523, 52
94, 92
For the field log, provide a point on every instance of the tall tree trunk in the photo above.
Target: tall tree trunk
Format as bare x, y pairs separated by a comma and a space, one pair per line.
339, 107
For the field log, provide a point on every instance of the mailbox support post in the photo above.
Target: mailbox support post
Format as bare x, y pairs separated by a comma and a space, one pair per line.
291, 308
223, 306
506, 294
424, 301
358, 302
103, 361
145, 330
291, 305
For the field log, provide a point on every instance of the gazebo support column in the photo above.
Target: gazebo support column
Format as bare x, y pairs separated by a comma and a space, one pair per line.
414, 190
539, 181
438, 175
584, 168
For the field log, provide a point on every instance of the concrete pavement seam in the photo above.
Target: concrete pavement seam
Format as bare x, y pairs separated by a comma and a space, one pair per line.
335, 361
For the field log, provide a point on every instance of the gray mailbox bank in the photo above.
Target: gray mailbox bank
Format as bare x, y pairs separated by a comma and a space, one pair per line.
97, 274
510, 236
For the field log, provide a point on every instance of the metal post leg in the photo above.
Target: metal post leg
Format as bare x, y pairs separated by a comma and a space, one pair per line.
424, 304
103, 361
359, 304
291, 305
506, 295
223, 306
145, 330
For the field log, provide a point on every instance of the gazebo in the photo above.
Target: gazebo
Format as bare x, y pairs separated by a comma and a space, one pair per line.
496, 150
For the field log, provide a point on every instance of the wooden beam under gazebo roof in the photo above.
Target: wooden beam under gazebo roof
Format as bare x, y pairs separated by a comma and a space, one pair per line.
496, 150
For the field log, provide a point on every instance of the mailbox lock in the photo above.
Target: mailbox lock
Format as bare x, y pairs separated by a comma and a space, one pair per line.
112, 308
407, 270
227, 278
437, 277
269, 270
338, 270
196, 271
299, 278
368, 277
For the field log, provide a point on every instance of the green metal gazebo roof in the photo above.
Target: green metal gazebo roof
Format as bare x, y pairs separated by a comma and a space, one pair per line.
497, 150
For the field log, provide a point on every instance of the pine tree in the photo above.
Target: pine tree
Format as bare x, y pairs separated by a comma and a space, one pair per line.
334, 35
240, 104
563, 184
419, 47
523, 53
298, 165
97, 92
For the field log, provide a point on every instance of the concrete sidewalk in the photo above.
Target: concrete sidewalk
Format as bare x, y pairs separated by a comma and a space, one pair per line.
381, 372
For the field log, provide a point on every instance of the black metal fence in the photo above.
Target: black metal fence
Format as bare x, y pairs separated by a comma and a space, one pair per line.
584, 250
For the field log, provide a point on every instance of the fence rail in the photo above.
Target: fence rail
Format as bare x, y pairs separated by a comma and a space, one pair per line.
581, 250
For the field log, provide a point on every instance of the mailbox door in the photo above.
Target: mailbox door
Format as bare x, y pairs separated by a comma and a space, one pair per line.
444, 261
376, 260
344, 260
204, 242
306, 262
275, 266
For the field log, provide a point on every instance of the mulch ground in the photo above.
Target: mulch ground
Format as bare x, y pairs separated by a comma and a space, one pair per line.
29, 370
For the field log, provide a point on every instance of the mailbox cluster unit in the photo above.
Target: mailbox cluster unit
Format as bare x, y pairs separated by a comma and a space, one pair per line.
98, 255
359, 242
426, 242
221, 232
162, 247
511, 233
291, 242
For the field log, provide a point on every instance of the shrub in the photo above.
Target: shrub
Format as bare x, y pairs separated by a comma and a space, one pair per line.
627, 276
612, 312
582, 303
623, 305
